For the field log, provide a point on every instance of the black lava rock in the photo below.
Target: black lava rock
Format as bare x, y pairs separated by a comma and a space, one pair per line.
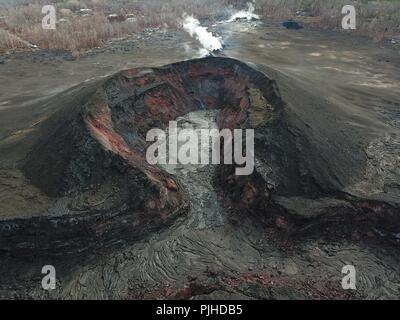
292, 25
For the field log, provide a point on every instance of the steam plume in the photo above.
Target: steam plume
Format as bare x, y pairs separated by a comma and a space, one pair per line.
207, 40
245, 14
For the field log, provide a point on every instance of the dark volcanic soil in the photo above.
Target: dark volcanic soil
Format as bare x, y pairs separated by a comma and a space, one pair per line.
77, 193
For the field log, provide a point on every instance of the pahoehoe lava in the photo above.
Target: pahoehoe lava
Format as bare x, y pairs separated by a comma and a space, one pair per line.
89, 163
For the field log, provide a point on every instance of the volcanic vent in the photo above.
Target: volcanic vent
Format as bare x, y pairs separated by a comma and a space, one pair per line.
90, 159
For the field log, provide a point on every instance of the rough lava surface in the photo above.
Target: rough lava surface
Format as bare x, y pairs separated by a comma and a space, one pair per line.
116, 227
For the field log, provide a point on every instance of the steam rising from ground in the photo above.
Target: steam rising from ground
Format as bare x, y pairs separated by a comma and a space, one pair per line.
245, 14
207, 40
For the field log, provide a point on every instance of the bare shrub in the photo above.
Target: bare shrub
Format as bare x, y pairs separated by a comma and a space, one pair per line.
10, 42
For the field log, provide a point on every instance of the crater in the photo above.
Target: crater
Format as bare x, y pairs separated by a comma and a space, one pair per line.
90, 158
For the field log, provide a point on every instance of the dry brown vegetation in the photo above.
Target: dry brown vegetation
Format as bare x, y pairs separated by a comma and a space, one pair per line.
9, 41
77, 32
376, 19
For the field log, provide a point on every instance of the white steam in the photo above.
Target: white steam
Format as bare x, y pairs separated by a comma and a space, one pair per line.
248, 14
207, 40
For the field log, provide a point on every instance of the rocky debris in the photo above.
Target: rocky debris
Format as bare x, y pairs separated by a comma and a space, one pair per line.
113, 18
62, 20
382, 173
245, 19
136, 41
117, 18
395, 40
303, 13
85, 12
